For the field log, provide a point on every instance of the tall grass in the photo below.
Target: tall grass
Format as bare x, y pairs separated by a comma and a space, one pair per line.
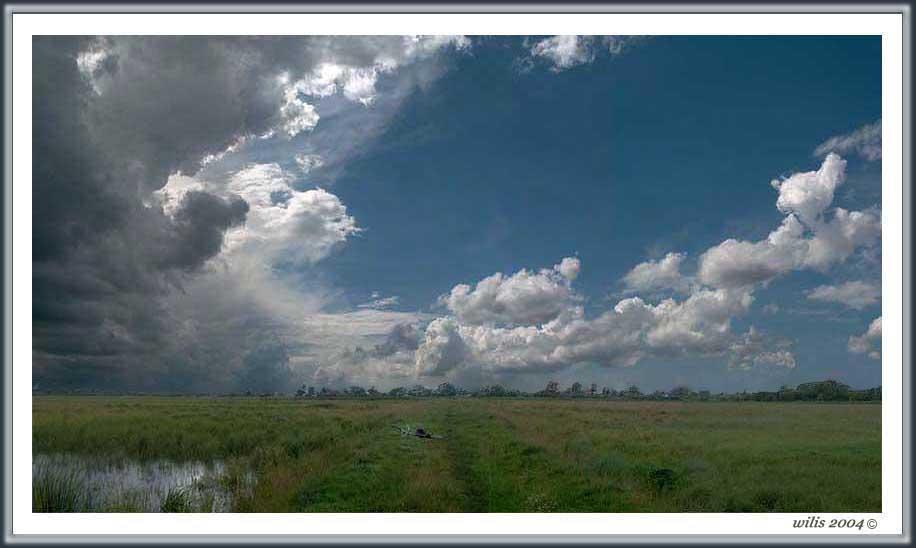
56, 490
284, 455
176, 500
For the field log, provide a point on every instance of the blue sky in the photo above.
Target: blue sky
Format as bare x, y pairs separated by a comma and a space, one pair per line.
447, 164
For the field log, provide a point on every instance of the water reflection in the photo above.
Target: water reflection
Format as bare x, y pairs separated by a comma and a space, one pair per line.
75, 483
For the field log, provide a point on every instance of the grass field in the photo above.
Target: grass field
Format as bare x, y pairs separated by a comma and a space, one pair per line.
536, 455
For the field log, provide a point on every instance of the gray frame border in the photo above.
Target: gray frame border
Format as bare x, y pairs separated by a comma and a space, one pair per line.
324, 7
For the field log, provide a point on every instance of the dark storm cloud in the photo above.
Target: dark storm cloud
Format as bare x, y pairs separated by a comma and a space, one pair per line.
102, 259
403, 336
73, 199
175, 100
199, 227
113, 119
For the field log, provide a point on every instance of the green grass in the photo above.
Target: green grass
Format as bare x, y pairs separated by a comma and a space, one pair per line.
58, 491
176, 500
532, 455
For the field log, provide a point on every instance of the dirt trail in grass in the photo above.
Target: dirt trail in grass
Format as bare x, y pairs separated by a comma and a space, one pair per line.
461, 455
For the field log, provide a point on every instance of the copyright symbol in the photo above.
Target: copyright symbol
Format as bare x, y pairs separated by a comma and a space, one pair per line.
872, 523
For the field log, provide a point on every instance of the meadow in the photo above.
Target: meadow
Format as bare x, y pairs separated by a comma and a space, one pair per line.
497, 455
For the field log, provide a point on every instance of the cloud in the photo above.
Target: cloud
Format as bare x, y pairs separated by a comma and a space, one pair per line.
383, 364
808, 194
569, 268
443, 348
869, 342
380, 303
308, 162
334, 332
356, 79
524, 298
296, 115
534, 322
737, 263
152, 273
564, 51
656, 275
807, 238
198, 227
698, 326
754, 350
864, 141
855, 294
567, 51
284, 223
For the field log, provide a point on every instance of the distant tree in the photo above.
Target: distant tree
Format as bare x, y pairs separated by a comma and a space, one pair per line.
576, 388
397, 392
679, 392
786, 393
446, 389
356, 391
419, 391
552, 389
496, 390
704, 395
829, 390
372, 392
632, 391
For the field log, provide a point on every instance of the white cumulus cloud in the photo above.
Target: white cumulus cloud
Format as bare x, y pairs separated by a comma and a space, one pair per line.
284, 222
524, 298
664, 273
855, 294
753, 350
809, 237
308, 162
564, 52
869, 342
808, 194
560, 335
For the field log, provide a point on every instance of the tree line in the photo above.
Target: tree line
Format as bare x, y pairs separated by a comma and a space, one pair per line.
829, 390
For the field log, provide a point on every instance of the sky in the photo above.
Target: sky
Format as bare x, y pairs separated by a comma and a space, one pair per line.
219, 214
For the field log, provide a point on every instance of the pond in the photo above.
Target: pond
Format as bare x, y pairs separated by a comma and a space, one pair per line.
71, 483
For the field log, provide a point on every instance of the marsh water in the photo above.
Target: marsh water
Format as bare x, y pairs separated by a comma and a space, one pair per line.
124, 485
